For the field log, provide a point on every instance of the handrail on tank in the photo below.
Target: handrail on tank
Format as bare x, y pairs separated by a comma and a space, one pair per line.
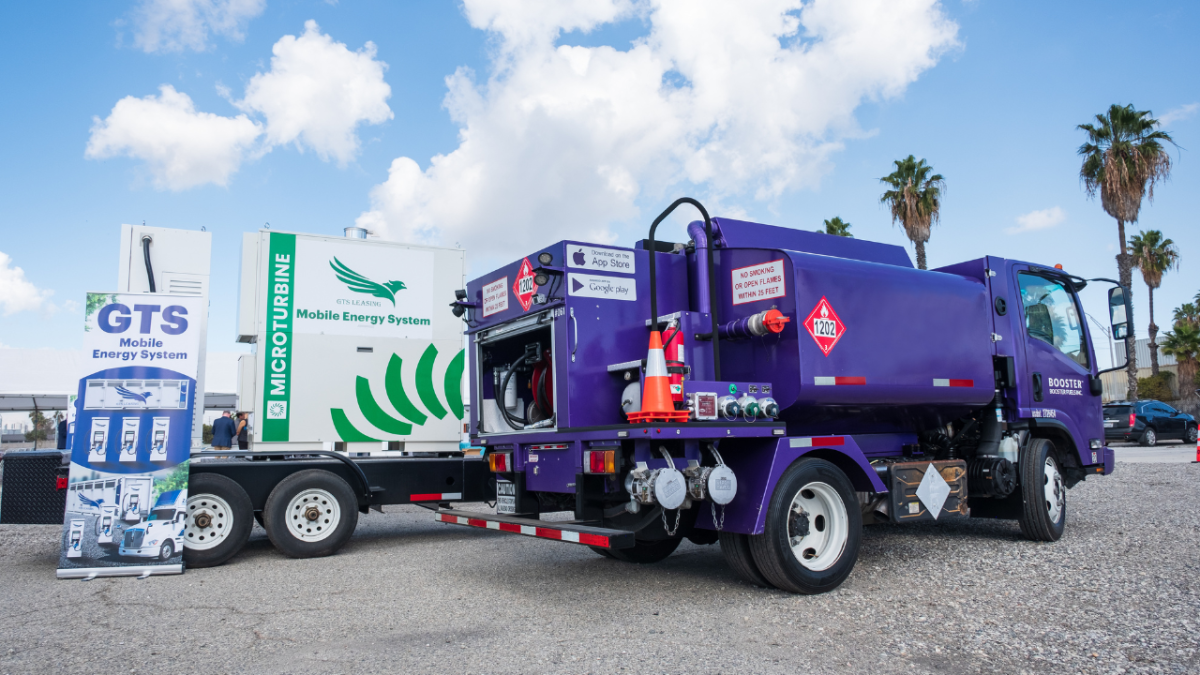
712, 279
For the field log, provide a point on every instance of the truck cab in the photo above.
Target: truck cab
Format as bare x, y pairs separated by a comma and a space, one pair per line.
161, 534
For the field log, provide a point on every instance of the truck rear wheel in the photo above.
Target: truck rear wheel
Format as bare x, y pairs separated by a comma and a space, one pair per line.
736, 549
1043, 492
310, 514
813, 529
218, 520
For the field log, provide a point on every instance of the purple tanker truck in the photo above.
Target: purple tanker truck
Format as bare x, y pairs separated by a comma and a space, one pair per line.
805, 385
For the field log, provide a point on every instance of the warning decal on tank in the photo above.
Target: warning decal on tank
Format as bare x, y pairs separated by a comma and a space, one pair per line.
523, 286
824, 326
495, 297
758, 282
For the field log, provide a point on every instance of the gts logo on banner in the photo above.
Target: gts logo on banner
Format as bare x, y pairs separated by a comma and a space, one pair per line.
116, 318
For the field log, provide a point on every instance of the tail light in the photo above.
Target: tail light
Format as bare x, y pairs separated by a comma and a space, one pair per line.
1132, 419
600, 461
500, 462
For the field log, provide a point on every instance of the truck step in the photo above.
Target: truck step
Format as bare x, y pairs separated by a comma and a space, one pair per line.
569, 531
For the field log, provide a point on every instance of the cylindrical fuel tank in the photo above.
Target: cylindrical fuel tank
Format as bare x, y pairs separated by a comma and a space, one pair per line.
863, 336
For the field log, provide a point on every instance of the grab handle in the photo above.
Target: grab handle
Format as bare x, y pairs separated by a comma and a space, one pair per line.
575, 325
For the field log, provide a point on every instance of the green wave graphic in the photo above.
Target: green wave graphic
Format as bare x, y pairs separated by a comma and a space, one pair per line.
346, 430
375, 414
425, 383
453, 383
394, 386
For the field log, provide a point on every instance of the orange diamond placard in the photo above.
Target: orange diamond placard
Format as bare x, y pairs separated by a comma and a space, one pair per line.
824, 326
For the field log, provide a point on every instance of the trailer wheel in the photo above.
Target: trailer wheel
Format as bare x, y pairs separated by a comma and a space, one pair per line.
310, 514
218, 520
1043, 492
736, 549
813, 529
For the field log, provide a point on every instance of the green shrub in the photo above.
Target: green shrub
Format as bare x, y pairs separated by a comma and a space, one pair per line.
206, 434
1156, 386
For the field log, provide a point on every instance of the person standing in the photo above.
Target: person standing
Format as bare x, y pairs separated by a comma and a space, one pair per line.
223, 432
243, 431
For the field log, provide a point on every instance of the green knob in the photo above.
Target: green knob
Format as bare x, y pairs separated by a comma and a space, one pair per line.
733, 388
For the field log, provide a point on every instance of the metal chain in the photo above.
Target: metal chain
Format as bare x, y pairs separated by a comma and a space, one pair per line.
720, 524
671, 532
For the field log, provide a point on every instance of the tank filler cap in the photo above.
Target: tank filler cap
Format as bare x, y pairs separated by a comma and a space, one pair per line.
774, 320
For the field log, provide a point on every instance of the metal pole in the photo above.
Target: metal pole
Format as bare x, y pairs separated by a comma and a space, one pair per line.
1112, 354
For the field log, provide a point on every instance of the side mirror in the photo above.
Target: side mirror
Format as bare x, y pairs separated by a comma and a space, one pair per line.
1119, 312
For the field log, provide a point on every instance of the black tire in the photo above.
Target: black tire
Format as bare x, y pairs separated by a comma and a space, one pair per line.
1190, 434
231, 493
1036, 520
646, 552
772, 550
276, 519
167, 550
1149, 438
736, 549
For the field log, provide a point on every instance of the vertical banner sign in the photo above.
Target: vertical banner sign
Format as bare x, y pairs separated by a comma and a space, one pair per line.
126, 509
278, 350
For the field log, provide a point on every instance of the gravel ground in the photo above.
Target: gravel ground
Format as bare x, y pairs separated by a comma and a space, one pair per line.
1120, 593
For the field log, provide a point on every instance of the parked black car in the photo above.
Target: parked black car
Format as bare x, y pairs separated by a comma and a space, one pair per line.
1147, 422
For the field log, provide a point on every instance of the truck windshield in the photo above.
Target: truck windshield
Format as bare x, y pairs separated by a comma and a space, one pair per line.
162, 514
1052, 316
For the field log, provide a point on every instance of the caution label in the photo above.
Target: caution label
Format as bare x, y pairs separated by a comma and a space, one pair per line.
523, 287
759, 282
825, 327
495, 297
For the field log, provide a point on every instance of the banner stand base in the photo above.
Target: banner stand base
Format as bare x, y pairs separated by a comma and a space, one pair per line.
84, 572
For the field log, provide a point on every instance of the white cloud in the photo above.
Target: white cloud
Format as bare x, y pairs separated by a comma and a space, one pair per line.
733, 98
1179, 114
182, 148
317, 92
315, 95
18, 294
176, 25
1038, 220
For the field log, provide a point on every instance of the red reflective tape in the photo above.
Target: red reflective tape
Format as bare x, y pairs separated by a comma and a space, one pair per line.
548, 533
60, 483
447, 519
475, 522
428, 497
510, 527
962, 383
829, 440
593, 540
849, 380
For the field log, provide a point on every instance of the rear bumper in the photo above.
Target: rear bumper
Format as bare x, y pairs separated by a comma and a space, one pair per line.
569, 531
1119, 434
1110, 460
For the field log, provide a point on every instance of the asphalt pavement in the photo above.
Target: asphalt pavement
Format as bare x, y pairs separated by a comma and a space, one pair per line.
1164, 453
1120, 593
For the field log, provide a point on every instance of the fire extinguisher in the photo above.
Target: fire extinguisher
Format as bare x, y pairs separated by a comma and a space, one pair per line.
673, 350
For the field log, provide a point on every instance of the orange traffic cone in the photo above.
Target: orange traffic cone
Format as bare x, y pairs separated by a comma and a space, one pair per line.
1197, 452
656, 392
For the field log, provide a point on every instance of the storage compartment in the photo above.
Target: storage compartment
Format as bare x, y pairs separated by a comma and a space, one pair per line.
517, 387
927, 490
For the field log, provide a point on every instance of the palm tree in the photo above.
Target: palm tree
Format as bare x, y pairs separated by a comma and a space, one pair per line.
837, 227
1188, 313
1154, 256
915, 199
1183, 342
1123, 159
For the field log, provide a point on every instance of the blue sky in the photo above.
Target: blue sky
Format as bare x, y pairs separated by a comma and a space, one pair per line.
991, 100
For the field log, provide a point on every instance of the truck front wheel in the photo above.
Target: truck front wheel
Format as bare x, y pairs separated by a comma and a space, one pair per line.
813, 529
1043, 492
310, 514
218, 520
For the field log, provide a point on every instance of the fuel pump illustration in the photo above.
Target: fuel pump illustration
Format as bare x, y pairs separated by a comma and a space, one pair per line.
107, 532
129, 439
158, 439
99, 439
75, 539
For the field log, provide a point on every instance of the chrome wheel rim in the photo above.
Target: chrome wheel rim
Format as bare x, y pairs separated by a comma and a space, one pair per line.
1151, 437
818, 526
209, 522
312, 515
1055, 491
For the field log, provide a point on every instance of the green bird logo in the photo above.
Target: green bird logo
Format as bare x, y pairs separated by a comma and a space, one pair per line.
360, 284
